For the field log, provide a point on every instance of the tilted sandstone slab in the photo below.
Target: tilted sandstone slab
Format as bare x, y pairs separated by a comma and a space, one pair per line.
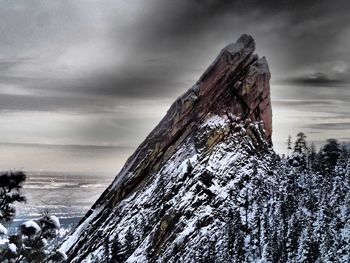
229, 107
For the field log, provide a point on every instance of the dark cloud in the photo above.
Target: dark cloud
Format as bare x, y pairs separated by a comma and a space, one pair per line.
311, 24
330, 126
317, 79
185, 36
86, 147
296, 103
105, 58
9, 102
129, 85
316, 110
172, 21
95, 94
167, 46
7, 64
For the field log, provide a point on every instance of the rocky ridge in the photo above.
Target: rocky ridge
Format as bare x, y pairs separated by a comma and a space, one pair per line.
179, 189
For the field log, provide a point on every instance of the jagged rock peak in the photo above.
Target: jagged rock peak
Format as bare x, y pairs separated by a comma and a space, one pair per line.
245, 43
223, 122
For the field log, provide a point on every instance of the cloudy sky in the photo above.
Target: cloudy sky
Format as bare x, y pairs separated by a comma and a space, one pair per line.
83, 82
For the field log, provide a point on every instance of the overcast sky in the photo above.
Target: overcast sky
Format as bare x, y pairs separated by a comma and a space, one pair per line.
83, 82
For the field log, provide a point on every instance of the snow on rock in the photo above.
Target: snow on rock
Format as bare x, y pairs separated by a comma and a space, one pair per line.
61, 253
179, 205
72, 239
173, 195
214, 121
3, 230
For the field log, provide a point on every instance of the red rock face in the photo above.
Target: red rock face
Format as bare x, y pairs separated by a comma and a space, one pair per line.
235, 85
238, 82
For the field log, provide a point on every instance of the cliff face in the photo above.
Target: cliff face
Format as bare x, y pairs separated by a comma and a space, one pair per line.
177, 189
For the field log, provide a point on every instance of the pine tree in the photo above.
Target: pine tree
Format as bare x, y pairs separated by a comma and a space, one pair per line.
308, 248
327, 249
256, 233
211, 258
235, 236
300, 145
292, 239
289, 144
11, 183
128, 246
312, 156
117, 253
329, 155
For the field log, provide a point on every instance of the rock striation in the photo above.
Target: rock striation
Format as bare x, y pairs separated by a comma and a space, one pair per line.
176, 189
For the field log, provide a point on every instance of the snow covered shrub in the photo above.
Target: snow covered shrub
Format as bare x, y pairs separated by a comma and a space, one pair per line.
33, 242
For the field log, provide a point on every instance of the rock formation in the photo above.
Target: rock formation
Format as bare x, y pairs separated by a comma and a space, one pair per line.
177, 189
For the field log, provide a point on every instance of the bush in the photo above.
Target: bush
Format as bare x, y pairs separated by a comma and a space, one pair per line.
33, 240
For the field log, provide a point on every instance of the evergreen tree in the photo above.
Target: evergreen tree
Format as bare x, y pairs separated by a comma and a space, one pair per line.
289, 144
129, 243
300, 145
292, 239
327, 249
312, 156
11, 183
117, 254
235, 236
308, 249
32, 242
329, 155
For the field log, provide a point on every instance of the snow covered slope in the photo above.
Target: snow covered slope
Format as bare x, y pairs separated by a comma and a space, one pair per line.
175, 197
